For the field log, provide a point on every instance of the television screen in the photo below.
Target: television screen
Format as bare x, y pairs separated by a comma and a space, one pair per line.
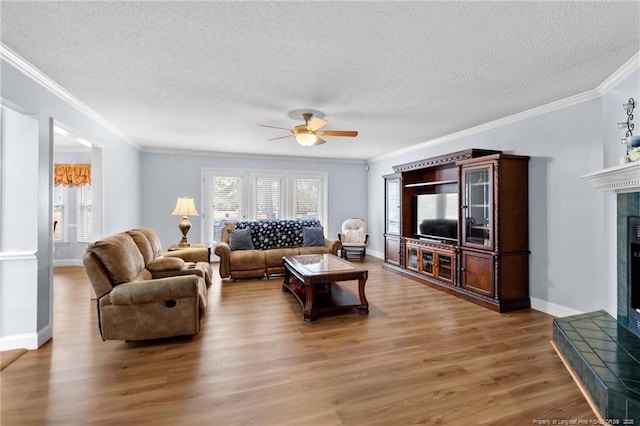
437, 216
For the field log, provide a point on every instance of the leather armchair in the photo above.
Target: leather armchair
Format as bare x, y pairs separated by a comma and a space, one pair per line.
131, 304
186, 261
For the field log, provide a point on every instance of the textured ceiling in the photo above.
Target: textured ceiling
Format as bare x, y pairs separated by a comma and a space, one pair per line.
202, 75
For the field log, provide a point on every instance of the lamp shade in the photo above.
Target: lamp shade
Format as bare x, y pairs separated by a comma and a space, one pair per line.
185, 207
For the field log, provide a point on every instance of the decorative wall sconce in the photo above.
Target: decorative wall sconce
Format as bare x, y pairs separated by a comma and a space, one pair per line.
628, 107
632, 142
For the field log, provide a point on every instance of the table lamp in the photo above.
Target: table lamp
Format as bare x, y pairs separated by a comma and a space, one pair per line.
185, 207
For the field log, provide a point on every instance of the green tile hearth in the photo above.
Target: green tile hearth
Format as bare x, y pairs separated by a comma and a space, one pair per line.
605, 357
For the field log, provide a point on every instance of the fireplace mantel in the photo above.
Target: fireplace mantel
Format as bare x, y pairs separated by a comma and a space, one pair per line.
624, 178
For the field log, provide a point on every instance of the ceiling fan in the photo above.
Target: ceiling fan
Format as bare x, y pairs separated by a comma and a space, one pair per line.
309, 133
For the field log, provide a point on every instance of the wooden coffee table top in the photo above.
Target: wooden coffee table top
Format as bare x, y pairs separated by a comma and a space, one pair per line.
321, 264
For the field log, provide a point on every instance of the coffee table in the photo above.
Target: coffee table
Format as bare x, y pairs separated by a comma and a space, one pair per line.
316, 287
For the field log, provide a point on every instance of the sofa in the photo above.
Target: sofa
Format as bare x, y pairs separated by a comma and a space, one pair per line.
254, 249
141, 299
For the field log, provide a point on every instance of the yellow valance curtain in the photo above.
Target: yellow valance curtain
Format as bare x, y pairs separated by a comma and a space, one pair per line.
71, 174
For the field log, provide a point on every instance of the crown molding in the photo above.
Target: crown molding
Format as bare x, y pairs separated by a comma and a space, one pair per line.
553, 106
621, 73
242, 156
22, 65
35, 74
618, 76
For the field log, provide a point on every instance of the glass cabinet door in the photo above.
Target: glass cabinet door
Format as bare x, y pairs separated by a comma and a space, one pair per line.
427, 262
412, 258
445, 267
478, 206
393, 206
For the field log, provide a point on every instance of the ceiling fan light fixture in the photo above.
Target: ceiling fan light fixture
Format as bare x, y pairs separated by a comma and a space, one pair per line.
309, 133
306, 139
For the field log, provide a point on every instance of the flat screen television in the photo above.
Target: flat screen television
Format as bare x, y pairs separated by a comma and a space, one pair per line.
437, 217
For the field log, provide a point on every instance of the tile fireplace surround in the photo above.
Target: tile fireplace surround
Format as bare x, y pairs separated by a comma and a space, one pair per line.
602, 355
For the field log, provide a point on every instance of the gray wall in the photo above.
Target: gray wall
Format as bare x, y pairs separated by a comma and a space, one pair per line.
18, 230
121, 173
167, 176
572, 232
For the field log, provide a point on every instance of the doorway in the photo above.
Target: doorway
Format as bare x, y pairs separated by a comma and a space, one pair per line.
77, 206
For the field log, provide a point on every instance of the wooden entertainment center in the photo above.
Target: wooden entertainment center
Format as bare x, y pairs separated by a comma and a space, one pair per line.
470, 240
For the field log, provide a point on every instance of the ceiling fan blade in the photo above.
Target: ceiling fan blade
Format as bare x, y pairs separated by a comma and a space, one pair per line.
281, 137
350, 133
274, 127
315, 123
319, 141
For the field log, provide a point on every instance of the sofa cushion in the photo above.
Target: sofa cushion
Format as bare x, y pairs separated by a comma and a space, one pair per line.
353, 236
247, 260
313, 250
312, 236
240, 239
273, 257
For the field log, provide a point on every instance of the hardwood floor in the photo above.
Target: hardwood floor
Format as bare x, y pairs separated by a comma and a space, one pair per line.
420, 357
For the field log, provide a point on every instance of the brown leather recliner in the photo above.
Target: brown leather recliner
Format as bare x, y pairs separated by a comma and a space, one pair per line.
185, 261
132, 305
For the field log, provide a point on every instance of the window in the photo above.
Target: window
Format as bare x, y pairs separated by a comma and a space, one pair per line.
256, 194
267, 195
59, 213
64, 215
307, 196
85, 222
223, 195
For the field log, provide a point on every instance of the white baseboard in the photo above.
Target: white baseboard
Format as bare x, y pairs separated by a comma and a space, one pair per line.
376, 254
29, 341
67, 262
19, 341
553, 309
549, 308
44, 335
